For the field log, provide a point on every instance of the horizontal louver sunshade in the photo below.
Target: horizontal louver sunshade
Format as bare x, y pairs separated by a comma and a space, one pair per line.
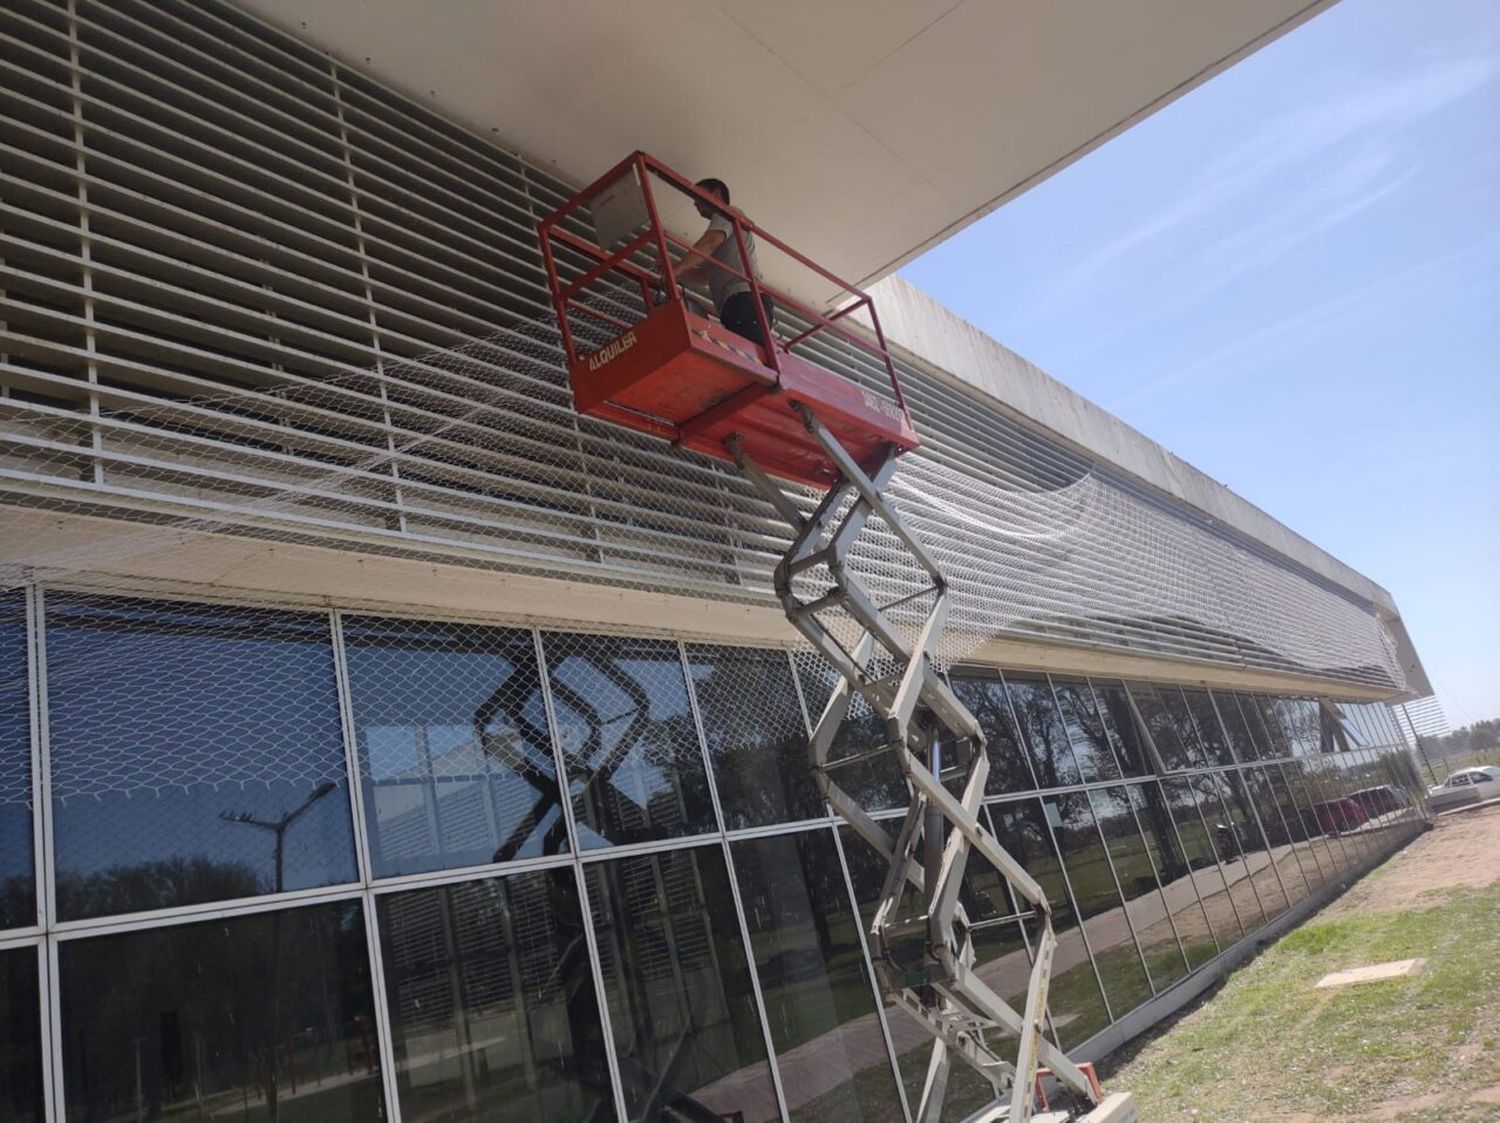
245, 286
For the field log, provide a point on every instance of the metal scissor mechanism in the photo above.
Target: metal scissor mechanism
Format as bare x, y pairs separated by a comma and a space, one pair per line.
890, 665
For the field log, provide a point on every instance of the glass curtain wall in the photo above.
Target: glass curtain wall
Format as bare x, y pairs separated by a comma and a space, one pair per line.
304, 864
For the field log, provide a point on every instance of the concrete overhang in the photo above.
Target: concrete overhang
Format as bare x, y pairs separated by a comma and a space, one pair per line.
859, 131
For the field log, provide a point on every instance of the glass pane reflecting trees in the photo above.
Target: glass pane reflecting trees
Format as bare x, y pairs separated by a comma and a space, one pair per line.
815, 980
1010, 765
20, 1037
1181, 885
1299, 800
1205, 721
262, 1015
1145, 904
1241, 850
1123, 728
1077, 1005
1091, 876
493, 1008
681, 1005
1275, 744
1224, 907
1279, 836
1278, 791
1247, 747
1300, 723
197, 754
1165, 726
1086, 730
1042, 730
17, 855
454, 749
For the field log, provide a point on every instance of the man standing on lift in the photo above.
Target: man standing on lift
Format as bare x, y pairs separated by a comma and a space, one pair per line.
716, 258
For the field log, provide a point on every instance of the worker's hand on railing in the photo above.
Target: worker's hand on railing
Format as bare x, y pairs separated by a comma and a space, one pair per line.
695, 303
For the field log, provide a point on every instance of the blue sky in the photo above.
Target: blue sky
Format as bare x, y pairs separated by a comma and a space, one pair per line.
1291, 278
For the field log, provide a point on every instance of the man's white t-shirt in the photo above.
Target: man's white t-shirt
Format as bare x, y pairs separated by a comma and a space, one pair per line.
723, 284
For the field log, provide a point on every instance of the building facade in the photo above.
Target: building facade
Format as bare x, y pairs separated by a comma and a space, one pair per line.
379, 739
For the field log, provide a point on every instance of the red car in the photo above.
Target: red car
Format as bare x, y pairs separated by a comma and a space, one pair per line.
1335, 815
1381, 800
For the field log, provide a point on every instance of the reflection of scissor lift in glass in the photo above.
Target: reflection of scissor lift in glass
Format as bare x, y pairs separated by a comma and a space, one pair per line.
656, 1085
641, 356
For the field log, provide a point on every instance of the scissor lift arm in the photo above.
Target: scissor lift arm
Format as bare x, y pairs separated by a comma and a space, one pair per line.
924, 721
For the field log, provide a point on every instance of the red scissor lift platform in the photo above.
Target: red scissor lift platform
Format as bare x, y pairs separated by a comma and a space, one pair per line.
640, 354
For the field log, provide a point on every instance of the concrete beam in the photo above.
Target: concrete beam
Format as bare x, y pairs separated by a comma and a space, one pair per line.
84, 551
943, 343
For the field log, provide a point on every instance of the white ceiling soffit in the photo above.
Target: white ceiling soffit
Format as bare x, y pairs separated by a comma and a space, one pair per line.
859, 131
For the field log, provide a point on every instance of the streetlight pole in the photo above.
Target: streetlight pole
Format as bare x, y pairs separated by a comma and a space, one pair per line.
278, 827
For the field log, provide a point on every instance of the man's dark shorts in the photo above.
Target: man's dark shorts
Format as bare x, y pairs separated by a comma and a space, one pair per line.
738, 315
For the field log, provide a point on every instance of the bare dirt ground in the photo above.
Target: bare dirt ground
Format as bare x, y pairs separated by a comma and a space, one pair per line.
1269, 1046
1461, 852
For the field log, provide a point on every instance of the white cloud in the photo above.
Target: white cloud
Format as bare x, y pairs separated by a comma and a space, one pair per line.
1253, 352
1295, 138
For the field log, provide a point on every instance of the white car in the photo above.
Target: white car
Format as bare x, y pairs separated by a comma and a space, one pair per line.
1468, 785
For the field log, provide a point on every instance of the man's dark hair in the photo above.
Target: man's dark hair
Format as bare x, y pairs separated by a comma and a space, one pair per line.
715, 187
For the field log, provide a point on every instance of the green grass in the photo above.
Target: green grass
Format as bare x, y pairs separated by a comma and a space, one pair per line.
1268, 1046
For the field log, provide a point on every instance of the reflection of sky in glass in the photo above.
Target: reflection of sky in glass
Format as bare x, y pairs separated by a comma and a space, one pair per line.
391, 749
452, 735
613, 717
625, 728
169, 721
16, 865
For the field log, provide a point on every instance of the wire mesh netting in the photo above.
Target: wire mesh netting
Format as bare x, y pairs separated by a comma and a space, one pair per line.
196, 753
308, 311
15, 702
17, 871
628, 739
455, 753
753, 726
456, 457
193, 727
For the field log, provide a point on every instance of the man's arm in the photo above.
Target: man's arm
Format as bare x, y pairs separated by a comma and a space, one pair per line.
695, 264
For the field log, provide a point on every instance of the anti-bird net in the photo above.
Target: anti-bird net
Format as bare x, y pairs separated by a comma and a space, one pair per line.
472, 456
